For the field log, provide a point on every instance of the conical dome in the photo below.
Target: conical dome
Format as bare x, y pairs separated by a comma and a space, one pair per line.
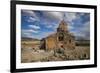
62, 26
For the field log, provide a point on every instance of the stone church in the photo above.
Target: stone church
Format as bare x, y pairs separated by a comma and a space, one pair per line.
60, 39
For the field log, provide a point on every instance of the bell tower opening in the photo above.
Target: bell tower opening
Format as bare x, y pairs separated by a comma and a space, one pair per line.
61, 37
62, 26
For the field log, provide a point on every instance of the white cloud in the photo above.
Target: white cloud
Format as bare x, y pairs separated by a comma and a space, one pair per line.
32, 15
31, 19
25, 34
70, 27
34, 26
69, 16
58, 16
53, 15
84, 31
29, 31
29, 12
49, 26
34, 31
86, 26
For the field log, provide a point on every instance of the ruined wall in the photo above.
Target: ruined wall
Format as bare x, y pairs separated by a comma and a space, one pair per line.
50, 43
69, 42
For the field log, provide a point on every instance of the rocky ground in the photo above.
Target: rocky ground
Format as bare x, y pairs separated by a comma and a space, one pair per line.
32, 55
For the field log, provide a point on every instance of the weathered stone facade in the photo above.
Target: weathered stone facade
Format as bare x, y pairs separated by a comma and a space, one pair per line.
61, 39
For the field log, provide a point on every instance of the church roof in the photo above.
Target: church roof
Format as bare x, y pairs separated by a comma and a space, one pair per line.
63, 25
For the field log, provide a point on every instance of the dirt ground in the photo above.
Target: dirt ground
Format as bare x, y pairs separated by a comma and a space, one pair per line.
32, 55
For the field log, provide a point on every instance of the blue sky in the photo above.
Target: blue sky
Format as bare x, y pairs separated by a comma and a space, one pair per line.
39, 24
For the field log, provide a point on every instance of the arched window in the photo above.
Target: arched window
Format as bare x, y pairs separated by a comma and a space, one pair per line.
61, 37
70, 41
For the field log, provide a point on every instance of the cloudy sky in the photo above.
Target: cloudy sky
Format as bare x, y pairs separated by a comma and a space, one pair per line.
39, 24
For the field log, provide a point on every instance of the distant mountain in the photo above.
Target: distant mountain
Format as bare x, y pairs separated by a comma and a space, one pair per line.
82, 42
81, 38
26, 38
